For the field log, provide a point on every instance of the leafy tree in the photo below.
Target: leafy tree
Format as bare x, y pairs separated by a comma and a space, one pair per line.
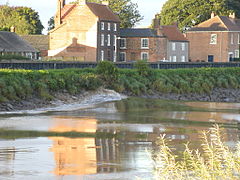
191, 12
51, 24
126, 10
24, 19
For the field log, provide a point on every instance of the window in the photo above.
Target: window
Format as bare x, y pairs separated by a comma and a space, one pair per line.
174, 59
102, 25
144, 56
183, 58
232, 39
183, 46
144, 43
114, 40
122, 56
238, 38
102, 55
109, 26
213, 39
102, 39
123, 43
236, 53
109, 40
115, 26
174, 46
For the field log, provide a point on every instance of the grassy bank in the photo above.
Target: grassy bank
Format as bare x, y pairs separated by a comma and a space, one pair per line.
22, 84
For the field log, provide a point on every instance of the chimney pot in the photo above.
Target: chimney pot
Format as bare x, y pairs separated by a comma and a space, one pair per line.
212, 15
12, 29
81, 2
232, 15
105, 3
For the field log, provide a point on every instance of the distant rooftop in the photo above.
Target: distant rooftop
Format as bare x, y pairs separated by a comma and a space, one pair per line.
137, 32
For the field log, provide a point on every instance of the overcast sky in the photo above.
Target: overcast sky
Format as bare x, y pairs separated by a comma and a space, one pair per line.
47, 8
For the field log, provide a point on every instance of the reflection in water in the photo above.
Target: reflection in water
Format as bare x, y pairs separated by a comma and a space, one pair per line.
139, 121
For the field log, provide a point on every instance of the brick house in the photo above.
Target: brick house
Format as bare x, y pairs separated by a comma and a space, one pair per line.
164, 43
215, 40
85, 32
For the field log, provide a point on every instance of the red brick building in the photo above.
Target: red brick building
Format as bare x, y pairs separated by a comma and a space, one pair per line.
162, 43
215, 40
84, 32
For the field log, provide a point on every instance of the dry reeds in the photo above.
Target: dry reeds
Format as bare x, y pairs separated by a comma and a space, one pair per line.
215, 161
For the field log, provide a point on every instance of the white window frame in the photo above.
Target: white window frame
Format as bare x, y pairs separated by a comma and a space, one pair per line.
143, 54
115, 26
173, 46
144, 43
102, 39
236, 53
174, 59
125, 43
124, 55
102, 26
183, 46
183, 58
232, 39
213, 39
109, 26
109, 40
114, 56
114, 40
238, 38
102, 55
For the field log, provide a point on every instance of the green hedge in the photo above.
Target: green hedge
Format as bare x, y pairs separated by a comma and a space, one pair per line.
21, 84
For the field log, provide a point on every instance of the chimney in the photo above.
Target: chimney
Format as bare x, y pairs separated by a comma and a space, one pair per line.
58, 16
156, 22
105, 3
232, 15
212, 15
12, 29
81, 2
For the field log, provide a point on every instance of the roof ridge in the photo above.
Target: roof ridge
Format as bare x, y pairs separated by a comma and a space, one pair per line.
223, 21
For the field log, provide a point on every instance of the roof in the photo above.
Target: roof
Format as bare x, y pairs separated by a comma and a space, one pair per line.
11, 42
218, 23
40, 42
137, 32
173, 34
103, 12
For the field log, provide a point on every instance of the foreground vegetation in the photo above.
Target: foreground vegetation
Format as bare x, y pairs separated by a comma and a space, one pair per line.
23, 84
214, 161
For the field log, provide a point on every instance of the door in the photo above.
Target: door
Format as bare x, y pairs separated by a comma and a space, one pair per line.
210, 58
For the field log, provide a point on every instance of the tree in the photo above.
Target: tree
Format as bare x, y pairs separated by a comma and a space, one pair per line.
125, 9
24, 19
191, 12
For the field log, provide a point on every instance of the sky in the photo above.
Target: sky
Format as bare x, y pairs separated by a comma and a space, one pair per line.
47, 8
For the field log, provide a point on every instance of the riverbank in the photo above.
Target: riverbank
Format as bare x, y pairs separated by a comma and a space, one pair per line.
24, 89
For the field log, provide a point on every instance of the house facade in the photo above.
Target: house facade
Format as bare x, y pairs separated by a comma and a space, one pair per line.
215, 40
162, 43
12, 44
84, 32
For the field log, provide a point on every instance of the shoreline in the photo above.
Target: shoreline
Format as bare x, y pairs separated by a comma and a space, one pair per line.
65, 101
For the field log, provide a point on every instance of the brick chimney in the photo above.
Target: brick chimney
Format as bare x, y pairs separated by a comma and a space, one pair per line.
156, 22
232, 15
12, 29
58, 16
81, 2
105, 3
212, 15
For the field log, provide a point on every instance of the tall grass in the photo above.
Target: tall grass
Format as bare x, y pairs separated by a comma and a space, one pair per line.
213, 162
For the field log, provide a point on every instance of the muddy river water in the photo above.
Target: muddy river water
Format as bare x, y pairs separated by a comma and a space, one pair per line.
140, 122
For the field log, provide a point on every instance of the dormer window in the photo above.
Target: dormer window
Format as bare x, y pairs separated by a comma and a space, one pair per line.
144, 43
213, 39
102, 26
109, 26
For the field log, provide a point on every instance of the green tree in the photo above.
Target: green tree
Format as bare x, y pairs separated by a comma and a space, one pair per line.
125, 9
191, 12
24, 19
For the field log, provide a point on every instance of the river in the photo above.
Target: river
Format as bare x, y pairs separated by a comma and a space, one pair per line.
140, 122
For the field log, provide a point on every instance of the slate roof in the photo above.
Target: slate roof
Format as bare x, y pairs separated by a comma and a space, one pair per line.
137, 32
102, 11
173, 34
218, 23
40, 42
11, 42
